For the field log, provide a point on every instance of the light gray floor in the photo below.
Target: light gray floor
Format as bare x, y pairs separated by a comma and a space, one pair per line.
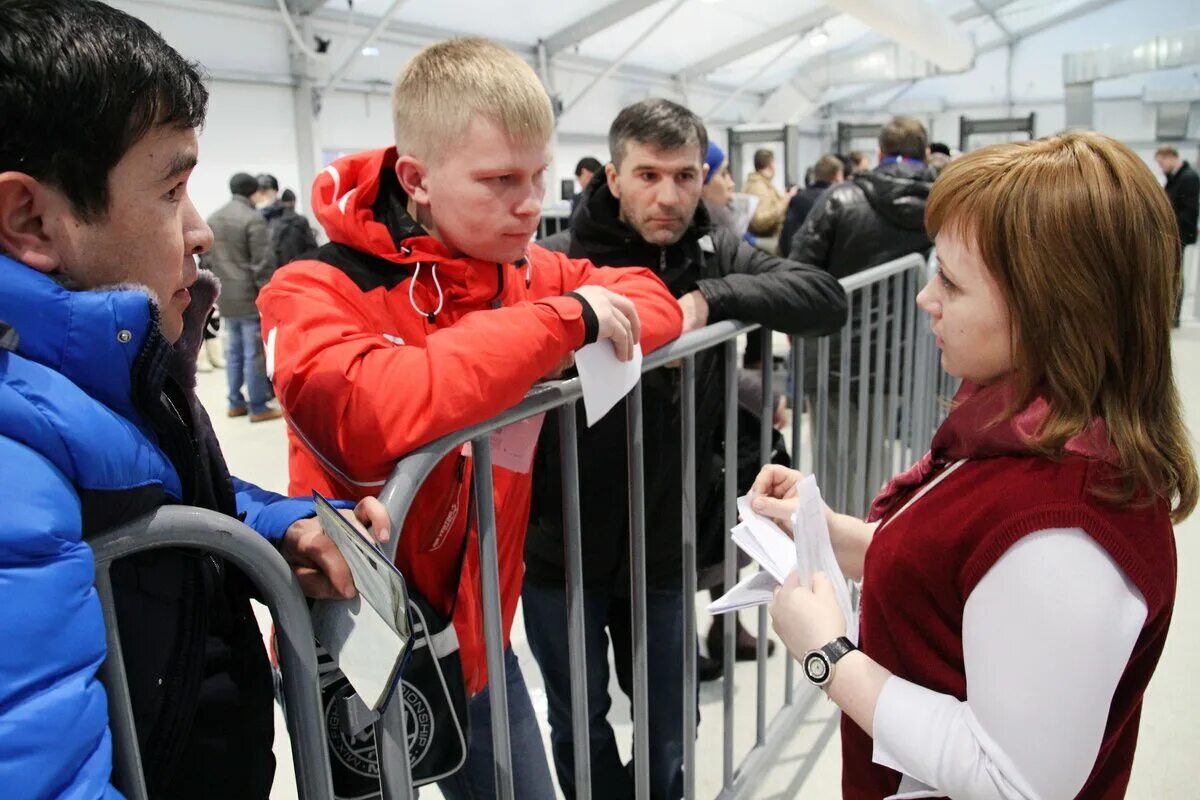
1166, 767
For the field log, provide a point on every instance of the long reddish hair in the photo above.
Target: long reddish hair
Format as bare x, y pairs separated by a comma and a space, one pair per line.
1082, 241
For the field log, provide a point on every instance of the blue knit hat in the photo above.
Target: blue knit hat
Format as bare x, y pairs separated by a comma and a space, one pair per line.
714, 159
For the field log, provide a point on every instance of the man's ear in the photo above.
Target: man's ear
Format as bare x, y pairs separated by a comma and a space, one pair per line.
610, 172
26, 232
704, 170
413, 176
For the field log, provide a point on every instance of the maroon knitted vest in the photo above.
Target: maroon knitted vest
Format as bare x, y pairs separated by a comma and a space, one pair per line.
923, 564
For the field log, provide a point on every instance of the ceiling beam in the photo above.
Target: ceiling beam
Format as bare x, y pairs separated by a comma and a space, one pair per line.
594, 23
797, 27
305, 6
1061, 18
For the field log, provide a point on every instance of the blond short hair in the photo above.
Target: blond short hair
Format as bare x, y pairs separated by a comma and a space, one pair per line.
450, 83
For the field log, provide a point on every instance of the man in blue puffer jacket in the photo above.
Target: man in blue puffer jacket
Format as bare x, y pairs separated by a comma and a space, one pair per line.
101, 316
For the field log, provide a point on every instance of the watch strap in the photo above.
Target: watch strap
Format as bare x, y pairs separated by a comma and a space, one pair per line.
838, 649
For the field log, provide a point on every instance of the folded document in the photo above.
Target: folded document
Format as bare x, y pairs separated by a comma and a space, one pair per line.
807, 552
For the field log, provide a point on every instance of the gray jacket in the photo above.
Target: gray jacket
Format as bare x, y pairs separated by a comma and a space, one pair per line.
241, 256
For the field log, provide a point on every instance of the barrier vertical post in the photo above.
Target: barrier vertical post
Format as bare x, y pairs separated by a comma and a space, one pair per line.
907, 415
728, 632
688, 477
798, 354
637, 577
843, 424
862, 448
569, 452
493, 623
879, 380
896, 283
127, 755
765, 428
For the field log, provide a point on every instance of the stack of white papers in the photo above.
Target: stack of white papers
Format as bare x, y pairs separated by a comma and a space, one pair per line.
809, 551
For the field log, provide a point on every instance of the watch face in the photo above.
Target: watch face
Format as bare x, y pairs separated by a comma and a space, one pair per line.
816, 668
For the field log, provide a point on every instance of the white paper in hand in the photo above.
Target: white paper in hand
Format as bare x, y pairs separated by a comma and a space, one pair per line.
605, 378
814, 550
762, 540
806, 552
756, 590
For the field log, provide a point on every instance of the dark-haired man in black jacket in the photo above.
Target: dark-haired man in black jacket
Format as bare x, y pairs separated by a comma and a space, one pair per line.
644, 210
1183, 190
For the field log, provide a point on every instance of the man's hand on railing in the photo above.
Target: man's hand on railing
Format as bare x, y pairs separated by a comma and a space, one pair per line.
695, 311
618, 318
315, 560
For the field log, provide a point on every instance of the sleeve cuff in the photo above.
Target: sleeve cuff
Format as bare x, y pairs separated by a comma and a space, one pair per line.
274, 519
591, 323
716, 293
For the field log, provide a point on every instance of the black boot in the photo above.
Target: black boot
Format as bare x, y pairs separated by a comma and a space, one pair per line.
746, 645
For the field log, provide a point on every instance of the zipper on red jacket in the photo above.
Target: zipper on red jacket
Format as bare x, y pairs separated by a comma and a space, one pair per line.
499, 283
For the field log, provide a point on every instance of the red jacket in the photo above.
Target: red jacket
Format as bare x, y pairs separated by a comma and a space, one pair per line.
921, 568
368, 372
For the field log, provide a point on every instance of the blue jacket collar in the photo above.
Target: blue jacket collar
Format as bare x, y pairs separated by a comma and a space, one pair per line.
107, 342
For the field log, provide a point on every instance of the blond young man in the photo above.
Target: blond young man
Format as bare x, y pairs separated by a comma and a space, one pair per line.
430, 311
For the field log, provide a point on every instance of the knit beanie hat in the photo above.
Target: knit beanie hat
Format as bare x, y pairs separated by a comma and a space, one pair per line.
714, 159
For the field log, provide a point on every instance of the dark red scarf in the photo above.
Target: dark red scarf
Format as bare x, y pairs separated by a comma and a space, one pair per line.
972, 431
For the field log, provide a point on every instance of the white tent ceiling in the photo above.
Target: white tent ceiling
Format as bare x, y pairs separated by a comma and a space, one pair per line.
699, 39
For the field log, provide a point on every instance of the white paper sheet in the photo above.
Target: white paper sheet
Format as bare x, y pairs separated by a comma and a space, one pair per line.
755, 590
814, 550
807, 552
605, 378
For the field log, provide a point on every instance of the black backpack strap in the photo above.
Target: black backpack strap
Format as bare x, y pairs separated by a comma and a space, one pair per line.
368, 271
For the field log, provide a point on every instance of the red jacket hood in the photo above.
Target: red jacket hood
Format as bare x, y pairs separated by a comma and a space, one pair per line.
343, 199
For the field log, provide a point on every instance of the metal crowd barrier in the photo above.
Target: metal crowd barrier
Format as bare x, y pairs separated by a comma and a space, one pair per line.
899, 392
899, 407
211, 532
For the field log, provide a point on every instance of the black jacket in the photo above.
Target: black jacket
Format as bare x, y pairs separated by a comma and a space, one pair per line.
291, 236
1183, 189
866, 221
798, 210
739, 282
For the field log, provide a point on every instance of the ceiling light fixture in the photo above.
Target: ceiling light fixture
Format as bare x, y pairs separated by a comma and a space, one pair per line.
370, 51
818, 38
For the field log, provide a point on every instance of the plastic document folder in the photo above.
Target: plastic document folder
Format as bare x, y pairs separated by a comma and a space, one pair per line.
368, 636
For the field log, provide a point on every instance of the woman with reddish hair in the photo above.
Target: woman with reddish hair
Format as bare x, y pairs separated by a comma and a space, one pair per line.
1018, 581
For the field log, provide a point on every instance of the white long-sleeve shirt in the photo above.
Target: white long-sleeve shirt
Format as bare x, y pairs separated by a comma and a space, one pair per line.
1047, 634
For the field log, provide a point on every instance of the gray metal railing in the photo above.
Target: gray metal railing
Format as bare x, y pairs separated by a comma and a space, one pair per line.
210, 532
898, 389
897, 386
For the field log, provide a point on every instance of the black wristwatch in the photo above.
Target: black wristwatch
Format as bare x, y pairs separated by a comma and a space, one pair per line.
818, 664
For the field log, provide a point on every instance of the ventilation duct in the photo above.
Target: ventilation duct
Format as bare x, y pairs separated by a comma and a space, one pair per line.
1178, 49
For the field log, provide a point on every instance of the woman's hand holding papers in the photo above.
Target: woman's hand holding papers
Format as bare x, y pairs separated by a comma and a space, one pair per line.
775, 491
805, 619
